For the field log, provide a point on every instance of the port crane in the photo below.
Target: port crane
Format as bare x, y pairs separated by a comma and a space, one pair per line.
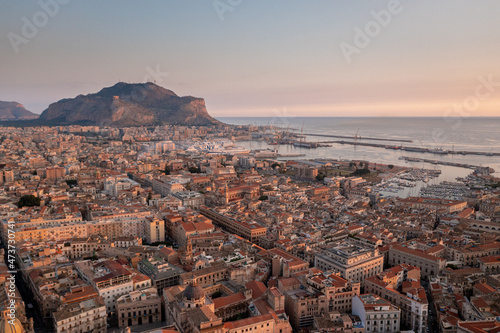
302, 133
356, 137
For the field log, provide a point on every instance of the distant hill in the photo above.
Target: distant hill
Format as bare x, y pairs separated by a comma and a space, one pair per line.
14, 111
128, 104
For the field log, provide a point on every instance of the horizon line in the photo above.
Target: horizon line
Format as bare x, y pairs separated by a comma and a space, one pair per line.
433, 117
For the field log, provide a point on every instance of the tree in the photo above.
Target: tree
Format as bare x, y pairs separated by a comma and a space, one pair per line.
390, 166
275, 165
167, 170
71, 182
28, 201
360, 172
216, 294
320, 177
263, 197
194, 169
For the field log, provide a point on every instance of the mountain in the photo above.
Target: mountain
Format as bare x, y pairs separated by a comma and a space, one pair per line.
15, 111
129, 104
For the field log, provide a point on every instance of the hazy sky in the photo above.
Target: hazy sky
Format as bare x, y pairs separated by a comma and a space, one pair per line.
261, 57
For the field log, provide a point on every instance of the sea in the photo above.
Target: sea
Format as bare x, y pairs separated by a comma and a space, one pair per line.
456, 134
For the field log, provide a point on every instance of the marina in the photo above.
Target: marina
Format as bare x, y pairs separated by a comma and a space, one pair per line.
406, 183
446, 190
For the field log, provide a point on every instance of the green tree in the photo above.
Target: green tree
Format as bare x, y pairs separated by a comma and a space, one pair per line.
361, 172
216, 294
390, 166
194, 169
71, 182
167, 170
28, 201
263, 197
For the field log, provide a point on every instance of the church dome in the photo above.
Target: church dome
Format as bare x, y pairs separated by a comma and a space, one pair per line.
7, 327
193, 292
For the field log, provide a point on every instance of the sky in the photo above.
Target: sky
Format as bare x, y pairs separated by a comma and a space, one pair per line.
261, 58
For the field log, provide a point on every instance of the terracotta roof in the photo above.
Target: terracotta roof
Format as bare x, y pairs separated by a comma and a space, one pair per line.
490, 259
418, 253
485, 288
228, 300
257, 287
481, 326
248, 321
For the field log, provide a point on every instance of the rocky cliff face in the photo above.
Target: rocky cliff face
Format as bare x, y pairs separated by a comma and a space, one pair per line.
125, 104
14, 111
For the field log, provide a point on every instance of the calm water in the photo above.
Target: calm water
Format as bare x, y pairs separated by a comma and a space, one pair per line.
475, 134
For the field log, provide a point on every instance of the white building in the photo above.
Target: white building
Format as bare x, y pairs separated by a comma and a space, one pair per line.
114, 185
376, 314
109, 278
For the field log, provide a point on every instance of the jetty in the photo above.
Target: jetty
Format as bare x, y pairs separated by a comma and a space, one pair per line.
437, 151
455, 164
357, 137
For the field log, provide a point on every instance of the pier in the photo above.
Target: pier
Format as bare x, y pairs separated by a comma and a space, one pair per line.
436, 151
357, 137
291, 155
460, 165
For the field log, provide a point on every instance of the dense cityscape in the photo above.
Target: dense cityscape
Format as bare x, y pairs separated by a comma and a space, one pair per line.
180, 229
249, 166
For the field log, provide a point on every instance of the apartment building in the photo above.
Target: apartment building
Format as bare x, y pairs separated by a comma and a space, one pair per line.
86, 316
469, 255
429, 265
155, 230
284, 264
109, 278
352, 261
339, 292
138, 307
191, 199
250, 231
450, 206
376, 314
401, 286
301, 304
489, 264
55, 173
161, 273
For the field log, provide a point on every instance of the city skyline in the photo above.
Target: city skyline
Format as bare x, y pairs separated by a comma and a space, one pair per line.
325, 59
